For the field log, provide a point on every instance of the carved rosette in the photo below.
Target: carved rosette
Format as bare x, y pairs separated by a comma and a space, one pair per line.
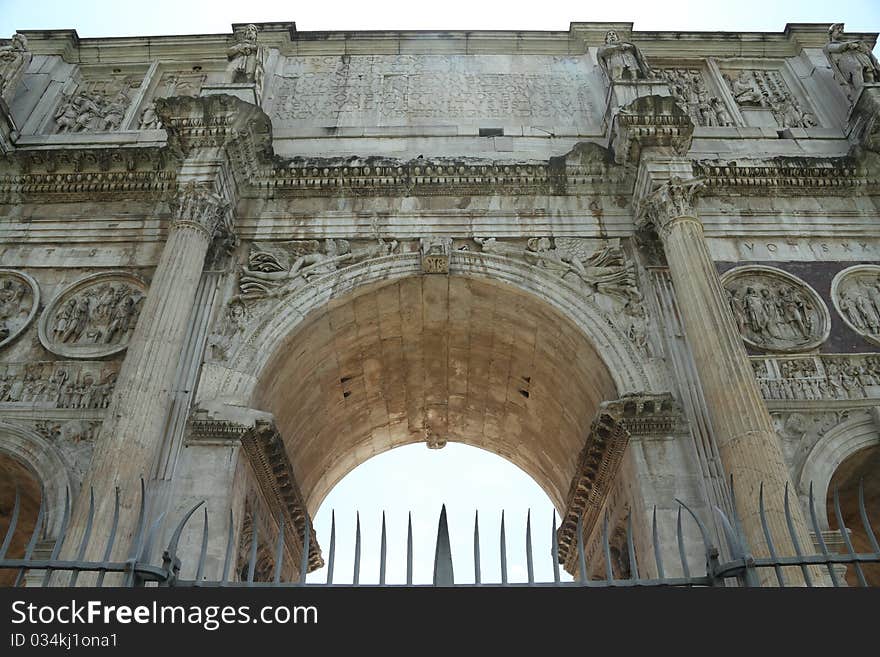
94, 317
855, 292
19, 301
776, 311
198, 207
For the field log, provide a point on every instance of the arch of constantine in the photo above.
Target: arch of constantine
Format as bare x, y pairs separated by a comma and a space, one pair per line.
638, 265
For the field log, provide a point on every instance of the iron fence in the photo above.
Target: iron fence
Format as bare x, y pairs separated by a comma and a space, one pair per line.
742, 568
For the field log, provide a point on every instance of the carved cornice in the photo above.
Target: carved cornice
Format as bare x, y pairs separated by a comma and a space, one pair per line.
274, 473
650, 122
785, 176
218, 121
601, 458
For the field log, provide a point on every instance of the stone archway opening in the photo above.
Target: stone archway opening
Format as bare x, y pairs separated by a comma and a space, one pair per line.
864, 466
434, 359
14, 474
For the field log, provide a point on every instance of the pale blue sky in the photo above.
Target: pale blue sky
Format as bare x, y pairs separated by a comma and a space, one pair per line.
415, 478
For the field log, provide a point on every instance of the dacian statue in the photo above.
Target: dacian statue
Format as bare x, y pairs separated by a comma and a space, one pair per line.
246, 58
14, 60
852, 60
622, 60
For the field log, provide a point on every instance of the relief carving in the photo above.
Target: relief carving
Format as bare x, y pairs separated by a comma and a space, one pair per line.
14, 60
689, 89
230, 328
774, 310
605, 270
275, 269
762, 91
94, 317
855, 292
91, 111
58, 384
19, 301
820, 378
852, 60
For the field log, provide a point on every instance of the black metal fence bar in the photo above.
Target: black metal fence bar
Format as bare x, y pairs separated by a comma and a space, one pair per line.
741, 569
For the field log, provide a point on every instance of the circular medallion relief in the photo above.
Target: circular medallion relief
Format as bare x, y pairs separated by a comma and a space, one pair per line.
19, 301
855, 292
774, 310
94, 317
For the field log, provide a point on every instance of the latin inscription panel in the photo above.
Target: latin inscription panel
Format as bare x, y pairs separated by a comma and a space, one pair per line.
409, 90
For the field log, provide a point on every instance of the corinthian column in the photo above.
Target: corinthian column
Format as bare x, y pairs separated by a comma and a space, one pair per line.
134, 426
748, 445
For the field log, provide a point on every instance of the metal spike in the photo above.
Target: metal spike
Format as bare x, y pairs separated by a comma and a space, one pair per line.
658, 559
111, 539
357, 551
12, 523
477, 547
554, 550
768, 537
849, 548
818, 532
681, 552
203, 553
227, 560
503, 551
633, 566
609, 575
443, 573
331, 560
279, 550
794, 539
150, 537
529, 565
38, 527
252, 560
869, 531
382, 553
582, 559
409, 550
306, 546
61, 534
141, 521
81, 553
175, 537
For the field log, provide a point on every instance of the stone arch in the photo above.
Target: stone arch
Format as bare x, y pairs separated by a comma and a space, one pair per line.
47, 466
826, 456
616, 364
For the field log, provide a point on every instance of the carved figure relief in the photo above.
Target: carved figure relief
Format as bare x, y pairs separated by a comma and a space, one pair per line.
622, 61
98, 104
230, 327
766, 90
689, 89
603, 270
435, 254
824, 377
19, 301
14, 60
94, 317
149, 120
275, 269
58, 384
774, 310
852, 60
855, 292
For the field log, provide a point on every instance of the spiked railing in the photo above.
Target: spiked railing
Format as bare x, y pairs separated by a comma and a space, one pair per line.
742, 569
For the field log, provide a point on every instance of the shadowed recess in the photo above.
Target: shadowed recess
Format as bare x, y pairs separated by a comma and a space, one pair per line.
12, 474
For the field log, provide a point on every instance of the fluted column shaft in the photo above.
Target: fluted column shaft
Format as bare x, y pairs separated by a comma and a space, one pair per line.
748, 445
131, 436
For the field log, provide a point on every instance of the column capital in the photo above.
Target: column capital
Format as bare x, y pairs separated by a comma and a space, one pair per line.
670, 202
199, 207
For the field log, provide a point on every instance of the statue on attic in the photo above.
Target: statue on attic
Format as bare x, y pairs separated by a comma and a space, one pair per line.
852, 60
622, 61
